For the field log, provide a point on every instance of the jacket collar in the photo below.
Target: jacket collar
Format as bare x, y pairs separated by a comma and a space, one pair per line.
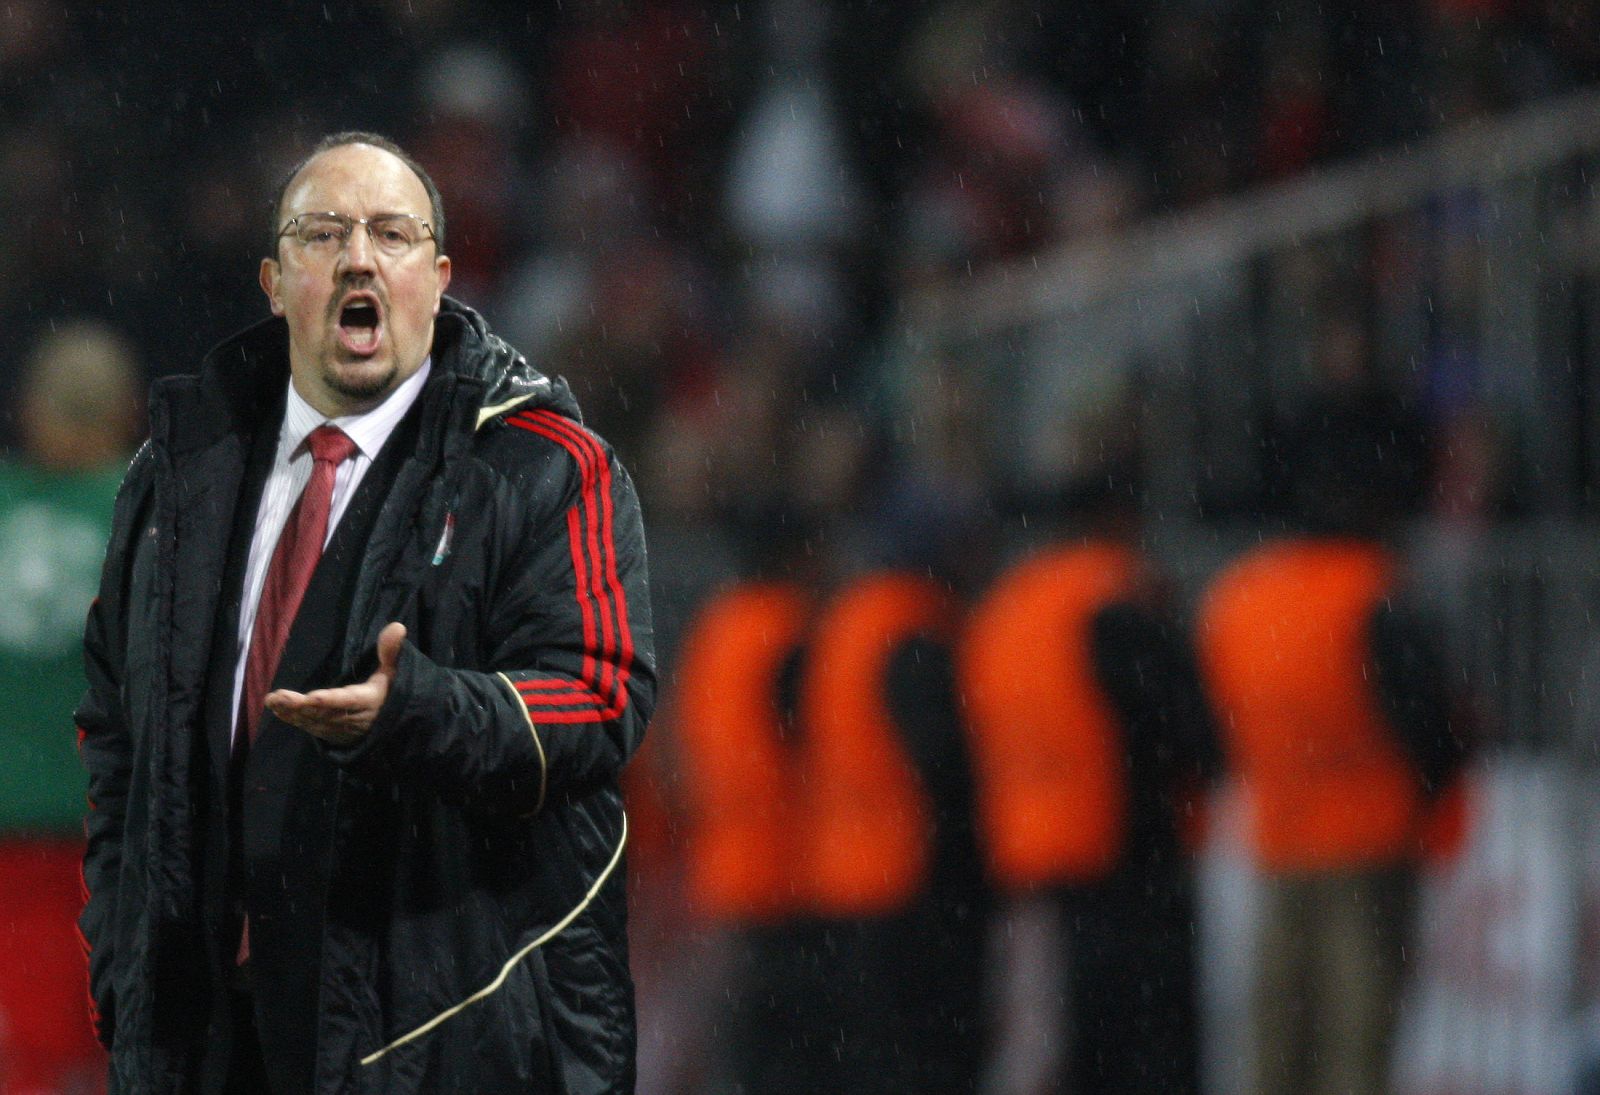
241, 381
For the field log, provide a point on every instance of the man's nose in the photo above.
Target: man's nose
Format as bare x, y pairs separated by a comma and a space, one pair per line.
358, 253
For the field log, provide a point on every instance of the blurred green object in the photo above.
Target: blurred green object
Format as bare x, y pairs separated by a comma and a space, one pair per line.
53, 528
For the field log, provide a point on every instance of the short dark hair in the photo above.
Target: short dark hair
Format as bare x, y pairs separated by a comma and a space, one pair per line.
339, 140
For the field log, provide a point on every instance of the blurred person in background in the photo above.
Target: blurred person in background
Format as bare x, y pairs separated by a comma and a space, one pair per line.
651, 77
472, 98
990, 189
1335, 694
830, 821
372, 645
588, 207
1092, 742
220, 239
78, 409
889, 846
639, 348
731, 719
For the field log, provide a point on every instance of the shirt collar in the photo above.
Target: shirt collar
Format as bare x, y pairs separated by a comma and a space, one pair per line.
369, 430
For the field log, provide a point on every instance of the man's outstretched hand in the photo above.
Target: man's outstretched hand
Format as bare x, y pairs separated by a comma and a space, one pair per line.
342, 716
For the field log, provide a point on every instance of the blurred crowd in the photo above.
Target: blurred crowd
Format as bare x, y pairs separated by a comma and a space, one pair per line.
711, 217
705, 215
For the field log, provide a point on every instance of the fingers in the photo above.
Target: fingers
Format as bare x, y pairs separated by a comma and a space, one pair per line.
338, 715
351, 698
343, 714
390, 640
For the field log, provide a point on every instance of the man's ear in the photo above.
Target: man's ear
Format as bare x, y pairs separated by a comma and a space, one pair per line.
442, 265
270, 273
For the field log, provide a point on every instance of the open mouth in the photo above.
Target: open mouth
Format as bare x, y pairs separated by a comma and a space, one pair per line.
360, 324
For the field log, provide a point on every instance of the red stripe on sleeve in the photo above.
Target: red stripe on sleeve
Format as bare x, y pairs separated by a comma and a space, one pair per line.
600, 690
608, 557
598, 475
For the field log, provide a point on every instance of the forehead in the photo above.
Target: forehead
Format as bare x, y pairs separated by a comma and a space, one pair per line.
357, 179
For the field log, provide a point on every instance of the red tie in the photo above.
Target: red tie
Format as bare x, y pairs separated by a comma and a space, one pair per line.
293, 560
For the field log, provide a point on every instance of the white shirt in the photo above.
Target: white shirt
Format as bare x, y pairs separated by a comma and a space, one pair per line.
291, 471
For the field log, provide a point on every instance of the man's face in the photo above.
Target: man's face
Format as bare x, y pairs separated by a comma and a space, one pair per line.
360, 321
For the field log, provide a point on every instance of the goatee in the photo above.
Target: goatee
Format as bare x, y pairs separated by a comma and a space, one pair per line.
361, 391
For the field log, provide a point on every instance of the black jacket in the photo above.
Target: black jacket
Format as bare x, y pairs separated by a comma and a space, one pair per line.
468, 848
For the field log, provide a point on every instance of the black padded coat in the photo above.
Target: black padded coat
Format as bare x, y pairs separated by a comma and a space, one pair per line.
439, 908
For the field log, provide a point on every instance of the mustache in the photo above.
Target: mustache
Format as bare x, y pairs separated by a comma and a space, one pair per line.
357, 283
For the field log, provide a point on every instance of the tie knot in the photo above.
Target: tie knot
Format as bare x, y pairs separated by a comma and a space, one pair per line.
330, 444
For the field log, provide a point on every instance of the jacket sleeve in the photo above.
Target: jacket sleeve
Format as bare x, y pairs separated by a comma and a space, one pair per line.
569, 682
106, 751
1414, 691
1146, 664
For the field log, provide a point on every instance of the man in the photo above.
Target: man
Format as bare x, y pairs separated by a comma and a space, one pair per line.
76, 422
1342, 724
1092, 739
893, 865
826, 807
355, 822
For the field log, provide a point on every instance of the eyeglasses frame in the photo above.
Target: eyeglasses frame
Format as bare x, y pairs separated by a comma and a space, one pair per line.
365, 222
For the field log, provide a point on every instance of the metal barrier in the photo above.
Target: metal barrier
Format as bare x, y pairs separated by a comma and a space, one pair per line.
1468, 263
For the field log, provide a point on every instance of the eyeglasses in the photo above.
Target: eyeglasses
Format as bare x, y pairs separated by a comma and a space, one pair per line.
393, 234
